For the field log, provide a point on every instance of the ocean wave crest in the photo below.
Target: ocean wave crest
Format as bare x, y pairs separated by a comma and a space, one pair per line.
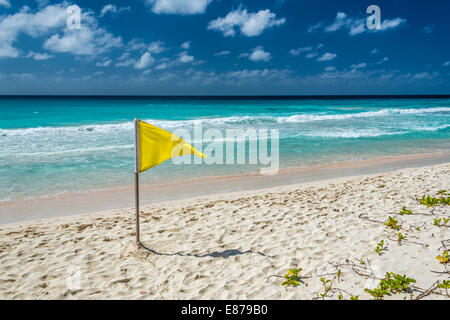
212, 122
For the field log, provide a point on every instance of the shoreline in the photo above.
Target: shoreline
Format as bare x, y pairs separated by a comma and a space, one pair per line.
75, 204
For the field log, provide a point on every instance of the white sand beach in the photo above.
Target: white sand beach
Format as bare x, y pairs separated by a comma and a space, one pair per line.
228, 246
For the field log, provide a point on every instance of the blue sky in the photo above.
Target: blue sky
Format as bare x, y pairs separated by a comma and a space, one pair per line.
220, 47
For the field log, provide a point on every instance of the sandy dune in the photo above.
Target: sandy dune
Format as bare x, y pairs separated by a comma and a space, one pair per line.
226, 246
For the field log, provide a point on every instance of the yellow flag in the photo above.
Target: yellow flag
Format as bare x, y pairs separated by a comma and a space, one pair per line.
157, 145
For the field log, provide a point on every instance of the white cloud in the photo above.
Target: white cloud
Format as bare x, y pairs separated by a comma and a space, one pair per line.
311, 55
259, 54
222, 53
184, 57
255, 76
327, 56
32, 24
5, 3
183, 7
156, 47
354, 25
125, 63
392, 24
358, 66
340, 21
375, 51
145, 61
39, 56
104, 63
89, 40
296, 52
330, 69
161, 66
135, 44
108, 8
112, 9
250, 24
446, 63
186, 45
426, 75
385, 59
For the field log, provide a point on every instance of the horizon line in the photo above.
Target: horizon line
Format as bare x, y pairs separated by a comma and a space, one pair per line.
230, 97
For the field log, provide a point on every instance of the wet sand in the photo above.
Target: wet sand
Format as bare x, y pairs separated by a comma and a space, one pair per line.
79, 203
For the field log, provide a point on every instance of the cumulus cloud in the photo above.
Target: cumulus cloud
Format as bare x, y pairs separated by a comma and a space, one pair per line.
184, 57
144, 62
257, 54
255, 76
156, 47
250, 24
89, 40
186, 45
426, 75
183, 7
358, 66
104, 63
327, 56
111, 8
222, 53
39, 56
5, 3
162, 66
296, 52
146, 54
32, 24
125, 61
354, 25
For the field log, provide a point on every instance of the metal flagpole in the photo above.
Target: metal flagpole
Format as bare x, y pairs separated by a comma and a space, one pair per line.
136, 176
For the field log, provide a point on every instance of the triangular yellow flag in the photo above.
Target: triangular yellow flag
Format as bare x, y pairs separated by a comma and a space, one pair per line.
156, 145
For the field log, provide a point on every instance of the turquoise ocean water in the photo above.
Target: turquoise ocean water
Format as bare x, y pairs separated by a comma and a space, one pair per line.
53, 146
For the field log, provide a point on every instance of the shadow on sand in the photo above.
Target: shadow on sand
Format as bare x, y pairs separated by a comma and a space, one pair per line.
216, 254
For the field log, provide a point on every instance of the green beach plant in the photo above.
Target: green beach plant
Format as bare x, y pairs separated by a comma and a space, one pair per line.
445, 285
380, 248
429, 201
400, 237
327, 287
292, 277
441, 222
405, 211
444, 258
391, 284
392, 223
